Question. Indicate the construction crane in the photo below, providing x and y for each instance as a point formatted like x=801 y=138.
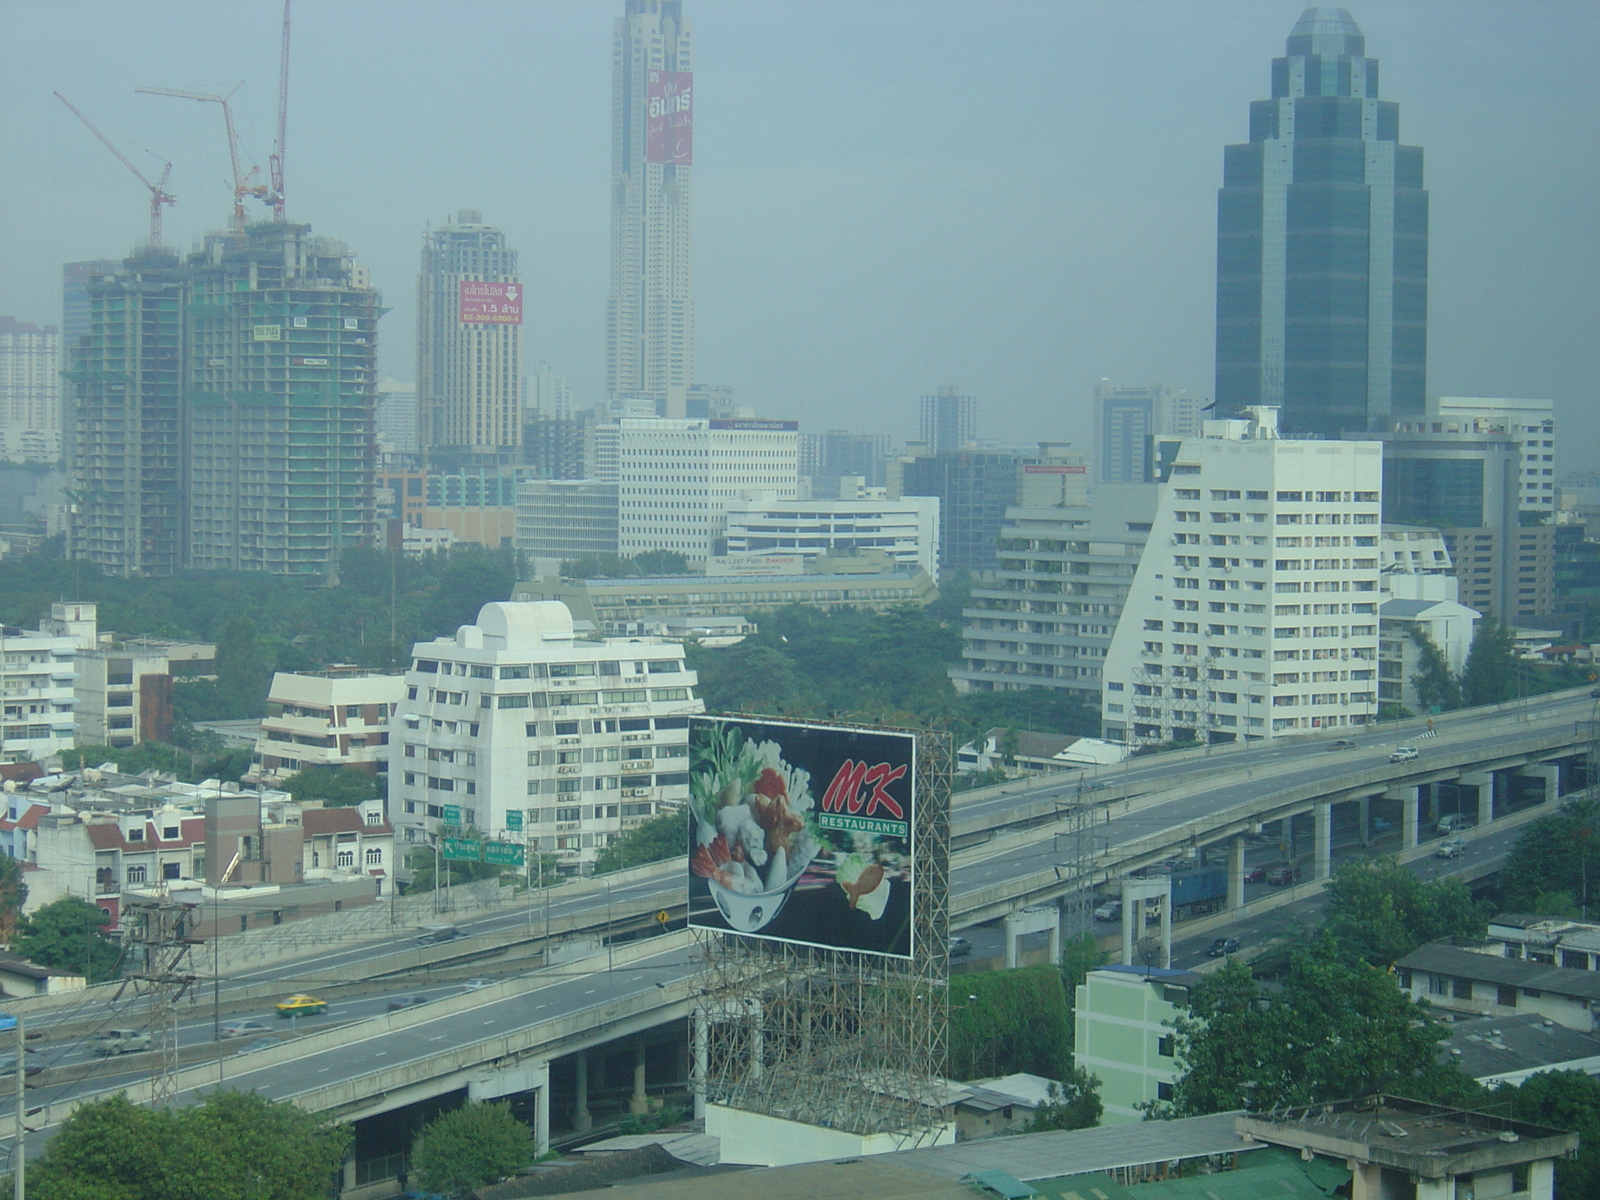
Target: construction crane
x=158 y=191
x=275 y=163
x=243 y=184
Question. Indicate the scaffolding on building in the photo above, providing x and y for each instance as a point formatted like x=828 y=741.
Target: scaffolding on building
x=846 y=1040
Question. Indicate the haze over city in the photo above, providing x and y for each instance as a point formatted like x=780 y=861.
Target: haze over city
x=1017 y=197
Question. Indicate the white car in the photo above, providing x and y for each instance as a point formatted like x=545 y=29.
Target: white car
x=1404 y=754
x=1450 y=849
x=1109 y=911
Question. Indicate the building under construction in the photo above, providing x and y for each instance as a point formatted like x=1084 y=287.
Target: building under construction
x=221 y=408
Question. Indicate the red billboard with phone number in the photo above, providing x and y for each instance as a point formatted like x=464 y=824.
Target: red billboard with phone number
x=491 y=303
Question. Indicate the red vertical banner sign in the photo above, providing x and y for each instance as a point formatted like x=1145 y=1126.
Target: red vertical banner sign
x=490 y=303
x=669 y=120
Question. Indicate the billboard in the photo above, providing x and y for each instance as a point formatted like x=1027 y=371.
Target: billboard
x=490 y=303
x=669 y=120
x=802 y=833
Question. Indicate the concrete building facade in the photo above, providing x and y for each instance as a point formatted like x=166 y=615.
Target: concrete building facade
x=1122 y=1025
x=907 y=530
x=566 y=518
x=1254 y=611
x=336 y=718
x=30 y=392
x=1128 y=417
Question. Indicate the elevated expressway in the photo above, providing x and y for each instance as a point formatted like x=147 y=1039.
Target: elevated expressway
x=1503 y=765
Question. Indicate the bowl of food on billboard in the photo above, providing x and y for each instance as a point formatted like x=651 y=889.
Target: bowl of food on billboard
x=802 y=833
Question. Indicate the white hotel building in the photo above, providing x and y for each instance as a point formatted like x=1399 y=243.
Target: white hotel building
x=583 y=739
x=1254 y=611
x=677 y=477
x=907 y=530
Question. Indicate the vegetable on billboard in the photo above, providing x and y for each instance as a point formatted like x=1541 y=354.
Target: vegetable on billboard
x=802 y=833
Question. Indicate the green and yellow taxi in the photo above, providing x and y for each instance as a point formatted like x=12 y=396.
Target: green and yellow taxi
x=300 y=1006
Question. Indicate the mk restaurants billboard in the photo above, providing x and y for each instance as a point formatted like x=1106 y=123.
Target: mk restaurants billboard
x=490 y=303
x=802 y=833
x=669 y=120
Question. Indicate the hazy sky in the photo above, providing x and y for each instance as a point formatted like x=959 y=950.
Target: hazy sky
x=1018 y=196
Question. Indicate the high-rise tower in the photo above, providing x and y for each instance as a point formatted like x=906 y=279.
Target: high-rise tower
x=1322 y=244
x=469 y=340
x=650 y=313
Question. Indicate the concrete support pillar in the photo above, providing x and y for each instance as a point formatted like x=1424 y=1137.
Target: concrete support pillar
x=581 y=1120
x=1012 y=938
x=541 y=1119
x=1542 y=1179
x=1408 y=814
x=1128 y=905
x=1166 y=931
x=1322 y=823
x=1484 y=782
x=1365 y=806
x=758 y=1039
x=639 y=1102
x=698 y=1063
x=1236 y=872
x=1551 y=774
x=347 y=1172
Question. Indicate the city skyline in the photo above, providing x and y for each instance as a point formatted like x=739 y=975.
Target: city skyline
x=937 y=234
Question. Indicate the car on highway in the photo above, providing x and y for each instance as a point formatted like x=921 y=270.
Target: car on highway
x=1381 y=825
x=1111 y=910
x=960 y=947
x=300 y=1005
x=261 y=1043
x=1404 y=754
x=8 y=1068
x=1223 y=946
x=1256 y=875
x=120 y=1041
x=235 y=1029
x=432 y=935
x=398 y=1002
x=1455 y=823
x=1342 y=744
x=473 y=985
x=1450 y=848
x=1283 y=876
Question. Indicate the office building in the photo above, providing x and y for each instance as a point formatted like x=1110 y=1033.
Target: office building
x=826 y=458
x=1254 y=610
x=556 y=447
x=1532 y=422
x=547 y=394
x=566 y=519
x=948 y=421
x=469 y=340
x=907 y=530
x=1322 y=245
x=396 y=420
x=1128 y=417
x=650 y=311
x=677 y=478
x=331 y=719
x=1045 y=616
x=282 y=331
x=517 y=723
x=30 y=393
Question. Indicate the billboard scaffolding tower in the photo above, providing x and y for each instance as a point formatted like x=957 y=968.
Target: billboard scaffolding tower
x=849 y=1040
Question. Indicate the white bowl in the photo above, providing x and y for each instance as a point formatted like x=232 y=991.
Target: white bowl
x=750 y=911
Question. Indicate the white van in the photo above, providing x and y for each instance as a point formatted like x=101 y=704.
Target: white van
x=1455 y=823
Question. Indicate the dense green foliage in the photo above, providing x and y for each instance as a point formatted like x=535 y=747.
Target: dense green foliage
x=1490 y=673
x=1438 y=690
x=188 y=764
x=1333 y=1031
x=662 y=836
x=470 y=1146
x=885 y=666
x=13 y=895
x=334 y=786
x=1074 y=1104
x=233 y=1144
x=1002 y=1022
x=620 y=566
x=1555 y=864
x=428 y=872
x=1379 y=911
x=66 y=934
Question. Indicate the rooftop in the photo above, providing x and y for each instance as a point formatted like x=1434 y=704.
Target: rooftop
x=1516 y=972
x=1493 y=1046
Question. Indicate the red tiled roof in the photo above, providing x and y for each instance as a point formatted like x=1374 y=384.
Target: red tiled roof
x=30 y=819
x=320 y=821
x=104 y=835
x=20 y=772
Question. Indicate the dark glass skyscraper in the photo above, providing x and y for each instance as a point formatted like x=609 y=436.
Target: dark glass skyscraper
x=1322 y=244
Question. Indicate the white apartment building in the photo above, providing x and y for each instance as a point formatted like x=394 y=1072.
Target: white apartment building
x=676 y=478
x=1532 y=422
x=30 y=392
x=36 y=694
x=907 y=530
x=1254 y=611
x=1046 y=615
x=336 y=718
x=1420 y=593
x=582 y=739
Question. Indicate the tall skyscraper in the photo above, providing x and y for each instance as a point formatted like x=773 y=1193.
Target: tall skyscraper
x=650 y=313
x=30 y=398
x=469 y=340
x=949 y=421
x=1322 y=245
x=1129 y=416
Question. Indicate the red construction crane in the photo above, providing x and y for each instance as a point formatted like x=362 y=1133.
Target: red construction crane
x=158 y=191
x=242 y=183
x=275 y=163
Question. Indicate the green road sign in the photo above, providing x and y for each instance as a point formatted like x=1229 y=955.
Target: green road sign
x=462 y=849
x=452 y=814
x=514 y=819
x=502 y=854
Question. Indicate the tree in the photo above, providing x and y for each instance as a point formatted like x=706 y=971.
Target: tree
x=661 y=562
x=243 y=674
x=471 y=1146
x=334 y=786
x=1072 y=1105
x=1490 y=675
x=1438 y=689
x=663 y=836
x=1002 y=1022
x=1335 y=1030
x=234 y=1144
x=132 y=760
x=1555 y=854
x=13 y=895
x=451 y=872
x=1378 y=912
x=599 y=566
x=1563 y=1100
x=65 y=934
